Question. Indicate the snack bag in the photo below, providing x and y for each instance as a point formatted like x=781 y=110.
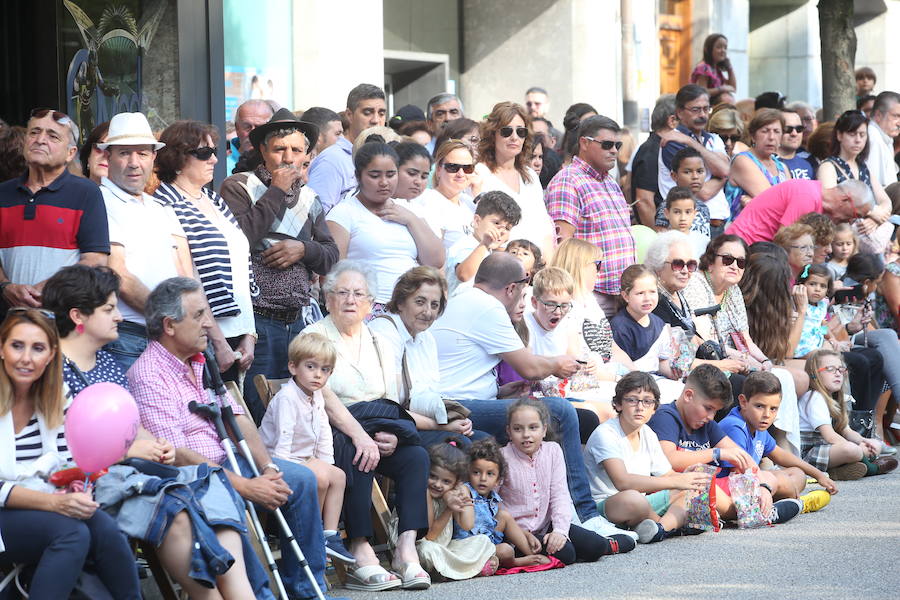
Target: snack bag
x=701 y=506
x=683 y=351
x=745 y=493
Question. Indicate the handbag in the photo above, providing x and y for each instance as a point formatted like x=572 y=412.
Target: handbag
x=862 y=422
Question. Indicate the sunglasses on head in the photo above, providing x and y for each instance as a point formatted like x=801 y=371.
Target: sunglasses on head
x=605 y=144
x=454 y=167
x=507 y=131
x=730 y=138
x=26 y=309
x=793 y=128
x=728 y=259
x=60 y=117
x=204 y=153
x=679 y=264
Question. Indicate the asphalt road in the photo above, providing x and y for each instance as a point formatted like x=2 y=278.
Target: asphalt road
x=850 y=549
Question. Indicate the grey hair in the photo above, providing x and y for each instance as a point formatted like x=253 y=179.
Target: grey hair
x=441 y=99
x=165 y=301
x=536 y=90
x=860 y=192
x=665 y=108
x=350 y=266
x=284 y=132
x=256 y=102
x=659 y=250
x=800 y=105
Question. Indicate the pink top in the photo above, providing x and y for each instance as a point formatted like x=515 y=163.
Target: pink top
x=296 y=426
x=714 y=76
x=779 y=205
x=535 y=491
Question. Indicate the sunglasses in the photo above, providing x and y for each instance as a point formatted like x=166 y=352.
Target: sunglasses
x=728 y=259
x=25 y=310
x=507 y=131
x=679 y=264
x=60 y=117
x=204 y=152
x=605 y=144
x=519 y=281
x=730 y=138
x=454 y=168
x=793 y=128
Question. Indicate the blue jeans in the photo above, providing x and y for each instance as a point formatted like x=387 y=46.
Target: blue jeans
x=301 y=511
x=490 y=416
x=885 y=341
x=59 y=545
x=131 y=344
x=270 y=357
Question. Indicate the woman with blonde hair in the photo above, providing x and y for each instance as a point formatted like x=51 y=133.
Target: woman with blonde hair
x=448 y=209
x=725 y=121
x=503 y=156
x=55 y=532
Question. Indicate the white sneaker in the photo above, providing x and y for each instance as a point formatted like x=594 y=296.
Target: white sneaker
x=601 y=526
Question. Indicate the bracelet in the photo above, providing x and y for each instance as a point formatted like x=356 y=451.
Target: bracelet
x=766 y=486
x=717 y=455
x=272 y=466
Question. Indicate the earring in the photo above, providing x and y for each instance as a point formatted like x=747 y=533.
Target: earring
x=178 y=172
x=79 y=328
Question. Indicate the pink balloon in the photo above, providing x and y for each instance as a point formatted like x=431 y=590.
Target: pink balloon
x=101 y=424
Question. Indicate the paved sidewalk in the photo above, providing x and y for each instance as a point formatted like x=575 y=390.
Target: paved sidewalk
x=850 y=549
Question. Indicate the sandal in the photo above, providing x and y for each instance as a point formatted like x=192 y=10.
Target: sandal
x=414 y=577
x=372 y=578
x=490 y=567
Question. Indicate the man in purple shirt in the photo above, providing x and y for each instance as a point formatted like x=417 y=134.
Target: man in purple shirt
x=331 y=174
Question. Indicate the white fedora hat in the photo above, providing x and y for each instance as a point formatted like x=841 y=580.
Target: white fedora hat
x=130 y=129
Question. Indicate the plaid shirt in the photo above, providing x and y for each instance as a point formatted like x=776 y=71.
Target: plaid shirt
x=594 y=205
x=162 y=388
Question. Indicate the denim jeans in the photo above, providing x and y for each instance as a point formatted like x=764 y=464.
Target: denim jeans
x=301 y=511
x=131 y=344
x=270 y=357
x=59 y=545
x=490 y=416
x=885 y=341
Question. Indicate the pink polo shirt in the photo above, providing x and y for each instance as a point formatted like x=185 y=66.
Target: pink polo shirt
x=779 y=205
x=535 y=491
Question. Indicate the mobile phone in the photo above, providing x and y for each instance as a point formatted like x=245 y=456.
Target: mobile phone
x=854 y=294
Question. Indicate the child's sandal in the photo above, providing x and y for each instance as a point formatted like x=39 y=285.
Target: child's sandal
x=490 y=567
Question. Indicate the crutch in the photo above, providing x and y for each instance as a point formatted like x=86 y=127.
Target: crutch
x=226 y=414
x=213 y=414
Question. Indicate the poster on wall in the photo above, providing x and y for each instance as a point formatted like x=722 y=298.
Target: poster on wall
x=102 y=44
x=252 y=83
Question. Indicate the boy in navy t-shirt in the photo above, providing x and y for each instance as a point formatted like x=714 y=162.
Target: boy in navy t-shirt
x=747 y=425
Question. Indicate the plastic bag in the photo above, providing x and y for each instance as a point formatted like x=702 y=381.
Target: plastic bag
x=745 y=493
x=683 y=351
x=701 y=506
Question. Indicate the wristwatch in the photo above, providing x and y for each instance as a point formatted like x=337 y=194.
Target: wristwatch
x=717 y=455
x=272 y=466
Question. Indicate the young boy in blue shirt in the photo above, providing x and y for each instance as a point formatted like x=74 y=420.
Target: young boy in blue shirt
x=747 y=425
x=689 y=435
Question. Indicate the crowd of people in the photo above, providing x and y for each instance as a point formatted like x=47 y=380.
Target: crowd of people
x=536 y=335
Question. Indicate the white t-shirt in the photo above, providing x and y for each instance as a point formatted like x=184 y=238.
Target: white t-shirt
x=457 y=253
x=448 y=220
x=535 y=225
x=146 y=230
x=545 y=342
x=660 y=350
x=813 y=411
x=389 y=248
x=239 y=251
x=609 y=441
x=718 y=204
x=470 y=335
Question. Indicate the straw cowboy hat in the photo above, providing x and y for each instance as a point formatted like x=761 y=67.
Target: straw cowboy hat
x=130 y=129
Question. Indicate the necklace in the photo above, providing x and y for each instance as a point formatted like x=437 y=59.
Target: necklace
x=186 y=194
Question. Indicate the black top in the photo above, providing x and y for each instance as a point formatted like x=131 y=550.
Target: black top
x=674 y=316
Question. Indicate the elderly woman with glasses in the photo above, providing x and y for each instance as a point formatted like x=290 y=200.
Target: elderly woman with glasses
x=448 y=208
x=219 y=249
x=756 y=170
x=671 y=258
x=799 y=243
x=503 y=156
x=373 y=433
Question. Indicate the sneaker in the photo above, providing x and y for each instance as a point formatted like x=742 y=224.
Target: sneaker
x=650 y=532
x=815 y=500
x=849 y=472
x=334 y=547
x=885 y=464
x=620 y=544
x=785 y=510
x=683 y=531
x=888 y=450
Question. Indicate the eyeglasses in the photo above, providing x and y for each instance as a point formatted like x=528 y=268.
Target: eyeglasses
x=356 y=296
x=793 y=128
x=204 y=152
x=563 y=307
x=805 y=249
x=60 y=117
x=728 y=259
x=454 y=168
x=26 y=309
x=696 y=110
x=519 y=281
x=645 y=402
x=605 y=144
x=679 y=265
x=507 y=131
x=598 y=264
x=833 y=370
x=730 y=138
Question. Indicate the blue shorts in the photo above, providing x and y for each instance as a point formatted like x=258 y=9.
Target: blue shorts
x=659 y=502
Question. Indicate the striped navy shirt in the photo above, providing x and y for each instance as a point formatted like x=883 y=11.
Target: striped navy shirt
x=30 y=447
